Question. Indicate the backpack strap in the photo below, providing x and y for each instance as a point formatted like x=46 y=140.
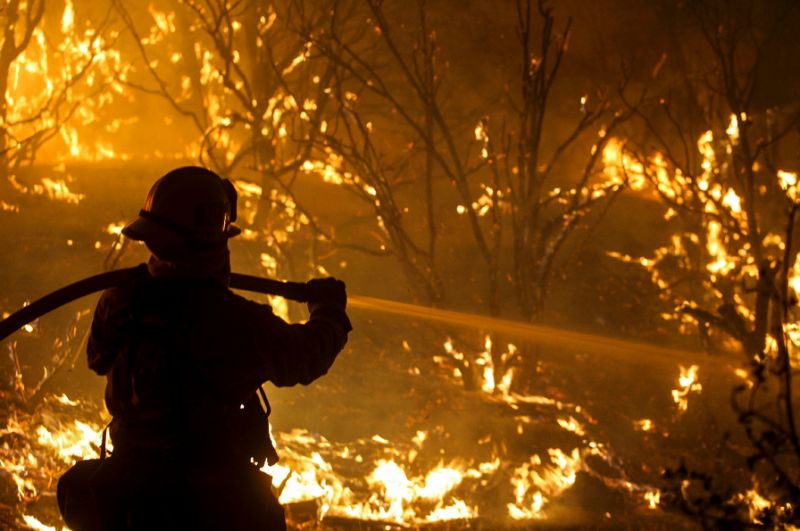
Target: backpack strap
x=270 y=455
x=103 y=451
x=263 y=396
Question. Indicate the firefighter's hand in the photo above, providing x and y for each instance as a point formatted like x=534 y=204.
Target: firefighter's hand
x=326 y=292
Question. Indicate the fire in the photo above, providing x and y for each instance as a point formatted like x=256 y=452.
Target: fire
x=570 y=424
x=653 y=498
x=45 y=444
x=115 y=229
x=788 y=183
x=72 y=441
x=733 y=128
x=34 y=523
x=756 y=504
x=395 y=494
x=688 y=383
x=399 y=492
x=56 y=189
x=536 y=483
x=620 y=167
x=493 y=380
x=722 y=263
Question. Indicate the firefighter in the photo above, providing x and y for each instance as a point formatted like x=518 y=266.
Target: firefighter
x=184 y=359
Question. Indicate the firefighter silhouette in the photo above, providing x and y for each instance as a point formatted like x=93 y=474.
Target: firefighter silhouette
x=184 y=359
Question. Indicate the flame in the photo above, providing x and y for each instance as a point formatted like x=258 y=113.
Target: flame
x=732 y=201
x=570 y=424
x=493 y=380
x=756 y=503
x=788 y=183
x=722 y=264
x=687 y=383
x=536 y=484
x=298 y=60
x=620 y=167
x=733 y=128
x=397 y=489
x=73 y=440
x=47 y=444
x=394 y=495
x=68 y=18
x=482 y=136
x=55 y=72
x=653 y=498
x=705 y=145
x=56 y=189
x=115 y=229
x=34 y=523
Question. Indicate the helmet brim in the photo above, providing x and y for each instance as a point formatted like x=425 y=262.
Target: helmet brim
x=143 y=229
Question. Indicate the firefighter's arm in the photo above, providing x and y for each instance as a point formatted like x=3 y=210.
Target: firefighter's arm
x=306 y=351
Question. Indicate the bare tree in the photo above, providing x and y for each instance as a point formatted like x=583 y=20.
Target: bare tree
x=711 y=156
x=505 y=181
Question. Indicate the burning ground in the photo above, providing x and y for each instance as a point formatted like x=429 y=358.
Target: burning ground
x=406 y=447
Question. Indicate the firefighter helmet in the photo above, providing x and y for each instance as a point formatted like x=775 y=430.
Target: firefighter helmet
x=191 y=203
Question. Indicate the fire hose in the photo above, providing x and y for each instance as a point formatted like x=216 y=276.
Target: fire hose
x=295 y=291
x=298 y=291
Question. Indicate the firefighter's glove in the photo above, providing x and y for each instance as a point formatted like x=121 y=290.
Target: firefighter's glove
x=326 y=292
x=327 y=300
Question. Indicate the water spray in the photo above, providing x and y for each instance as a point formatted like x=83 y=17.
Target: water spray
x=298 y=291
x=544 y=335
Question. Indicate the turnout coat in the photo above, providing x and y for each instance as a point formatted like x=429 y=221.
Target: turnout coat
x=184 y=358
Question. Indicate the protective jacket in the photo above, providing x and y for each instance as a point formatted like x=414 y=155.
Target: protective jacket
x=184 y=357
